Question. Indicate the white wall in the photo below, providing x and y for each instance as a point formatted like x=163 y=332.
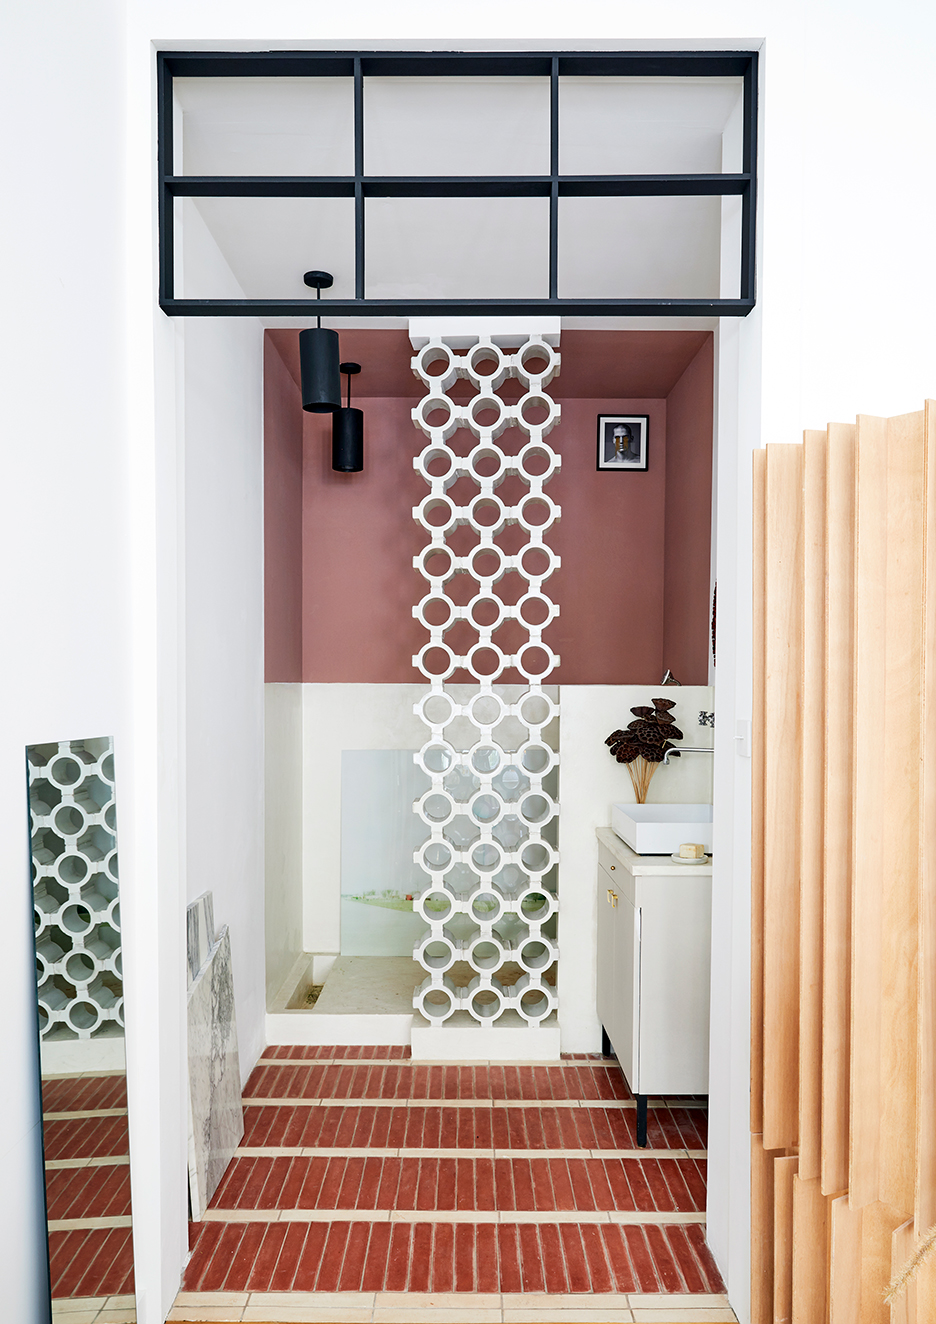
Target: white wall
x=844 y=323
x=283 y=845
x=222 y=504
x=63 y=529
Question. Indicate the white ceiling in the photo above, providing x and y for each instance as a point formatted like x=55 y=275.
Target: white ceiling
x=449 y=247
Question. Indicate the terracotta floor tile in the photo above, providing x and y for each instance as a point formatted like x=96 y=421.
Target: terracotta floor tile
x=333 y=1255
x=106 y=1265
x=465 y=1184
x=500 y=1127
x=355 y=1257
x=641 y=1259
x=261 y=1273
x=581 y=1186
x=680 y=1194
x=573 y=1253
x=421 y=1257
x=373 y=1128
x=653 y=1173
x=620 y=1253
x=272 y=1194
x=531 y=1260
x=208 y=1236
x=351 y=1182
x=543 y=1194
x=310 y=1256
x=695 y=1234
x=316 y=1169
x=406 y=1184
x=504 y=1195
x=682 y=1253
x=347 y=1125
x=464 y=1258
x=553 y=1258
x=284 y=1273
x=484 y=1184
x=508 y=1256
x=388 y=1196
x=446 y=1192
x=487 y=1261
x=431 y=1128
x=216 y=1271
x=448 y=1130
x=442 y=1278
x=331 y=1185
x=637 y=1180
x=663 y=1259
x=563 y=1193
x=548 y=1121
x=523 y=1184
x=375 y=1264
x=601 y=1189
x=397 y=1124
x=398 y=1259
x=370 y=1183
x=427 y=1183
x=516 y=1127
x=243 y=1259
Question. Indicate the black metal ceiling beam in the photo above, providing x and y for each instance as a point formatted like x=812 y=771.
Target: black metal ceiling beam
x=454 y=186
x=440 y=64
x=332 y=308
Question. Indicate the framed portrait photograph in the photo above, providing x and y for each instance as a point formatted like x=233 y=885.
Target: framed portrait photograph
x=622 y=441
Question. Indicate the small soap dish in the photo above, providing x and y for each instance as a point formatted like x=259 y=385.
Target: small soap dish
x=705 y=859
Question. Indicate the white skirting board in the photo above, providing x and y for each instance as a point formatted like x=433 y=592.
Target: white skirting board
x=322 y=1029
x=471 y=1042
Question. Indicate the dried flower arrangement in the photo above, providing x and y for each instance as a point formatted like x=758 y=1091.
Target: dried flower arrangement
x=642 y=745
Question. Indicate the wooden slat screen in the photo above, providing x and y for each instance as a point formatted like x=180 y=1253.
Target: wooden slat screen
x=843 y=1034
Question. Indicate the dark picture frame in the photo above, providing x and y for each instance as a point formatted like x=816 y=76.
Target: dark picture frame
x=623 y=442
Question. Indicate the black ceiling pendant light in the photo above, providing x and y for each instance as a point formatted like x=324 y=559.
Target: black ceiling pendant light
x=348 y=431
x=318 y=357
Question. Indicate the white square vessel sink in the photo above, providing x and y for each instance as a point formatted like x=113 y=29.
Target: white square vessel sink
x=662 y=829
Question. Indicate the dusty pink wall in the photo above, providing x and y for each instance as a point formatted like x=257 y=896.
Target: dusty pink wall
x=359 y=540
x=686 y=603
x=282 y=519
x=611 y=537
x=620 y=537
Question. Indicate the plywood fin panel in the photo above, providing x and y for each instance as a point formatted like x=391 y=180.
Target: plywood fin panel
x=784 y=1175
x=810 y=1251
x=783 y=643
x=900 y=792
x=845 y=1262
x=837 y=825
x=903 y=1308
x=757 y=805
x=925 y=1186
x=812 y=801
x=868 y=810
x=762 y=1230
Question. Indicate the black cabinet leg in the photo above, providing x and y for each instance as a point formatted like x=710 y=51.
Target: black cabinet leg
x=606 y=1049
x=641 y=1121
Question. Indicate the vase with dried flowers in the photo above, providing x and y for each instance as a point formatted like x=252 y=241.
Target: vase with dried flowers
x=644 y=742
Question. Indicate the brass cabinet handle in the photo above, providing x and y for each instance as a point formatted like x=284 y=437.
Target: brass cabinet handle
x=612 y=898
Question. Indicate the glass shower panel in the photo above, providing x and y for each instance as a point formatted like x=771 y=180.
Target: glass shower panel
x=379 y=834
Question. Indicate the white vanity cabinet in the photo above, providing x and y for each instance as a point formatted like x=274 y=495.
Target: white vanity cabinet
x=654 y=939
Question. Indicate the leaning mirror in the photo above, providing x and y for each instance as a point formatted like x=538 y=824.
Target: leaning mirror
x=79 y=973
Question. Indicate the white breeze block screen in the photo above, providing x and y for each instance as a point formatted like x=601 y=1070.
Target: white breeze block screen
x=75 y=894
x=490 y=853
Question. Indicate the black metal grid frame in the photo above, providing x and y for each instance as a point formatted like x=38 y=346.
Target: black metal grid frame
x=359 y=65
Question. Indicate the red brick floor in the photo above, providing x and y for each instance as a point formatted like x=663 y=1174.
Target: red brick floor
x=398 y=1137
x=97 y=1261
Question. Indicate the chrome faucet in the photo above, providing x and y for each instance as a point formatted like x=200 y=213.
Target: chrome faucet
x=688 y=749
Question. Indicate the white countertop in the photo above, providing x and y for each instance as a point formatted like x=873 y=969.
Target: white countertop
x=645 y=864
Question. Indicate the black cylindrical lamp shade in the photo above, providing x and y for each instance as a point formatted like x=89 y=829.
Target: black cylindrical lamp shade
x=348 y=440
x=318 y=370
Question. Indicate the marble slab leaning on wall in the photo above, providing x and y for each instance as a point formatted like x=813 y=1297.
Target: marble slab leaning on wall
x=216 y=1115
